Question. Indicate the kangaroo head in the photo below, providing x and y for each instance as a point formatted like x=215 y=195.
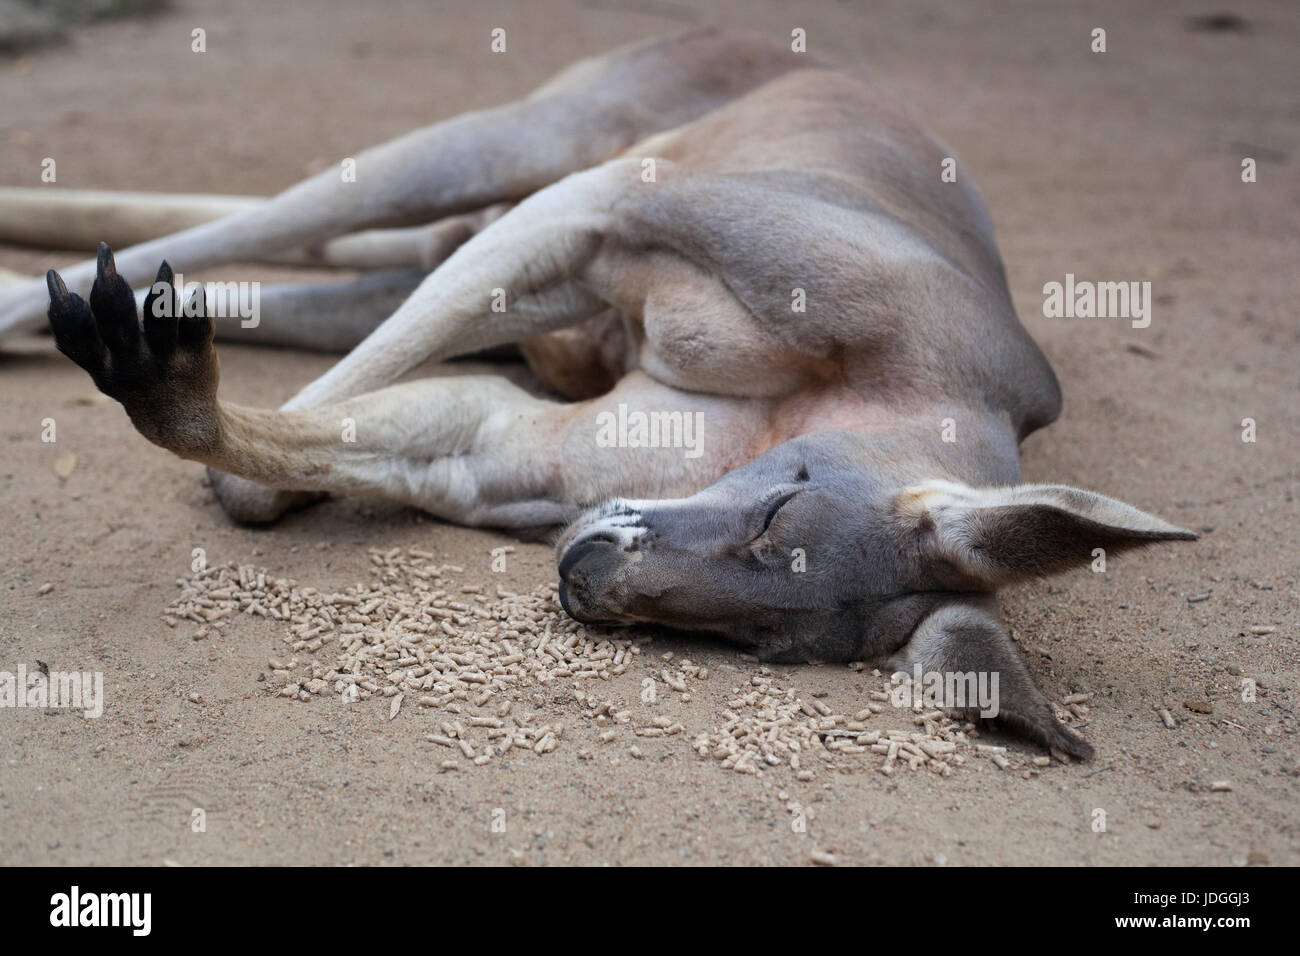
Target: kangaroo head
x=806 y=541
x=805 y=553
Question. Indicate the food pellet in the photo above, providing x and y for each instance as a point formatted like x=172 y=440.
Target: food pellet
x=468 y=653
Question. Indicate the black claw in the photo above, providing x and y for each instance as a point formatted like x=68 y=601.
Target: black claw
x=113 y=303
x=160 y=313
x=105 y=267
x=195 y=328
x=73 y=326
x=54 y=282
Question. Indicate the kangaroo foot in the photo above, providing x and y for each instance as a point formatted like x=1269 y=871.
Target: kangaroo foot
x=164 y=372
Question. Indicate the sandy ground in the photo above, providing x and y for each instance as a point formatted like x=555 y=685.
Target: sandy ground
x=1112 y=167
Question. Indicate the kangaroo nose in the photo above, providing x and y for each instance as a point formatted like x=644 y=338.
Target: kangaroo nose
x=583 y=548
x=581 y=561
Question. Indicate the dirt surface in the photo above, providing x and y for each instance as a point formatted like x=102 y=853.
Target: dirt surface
x=1116 y=166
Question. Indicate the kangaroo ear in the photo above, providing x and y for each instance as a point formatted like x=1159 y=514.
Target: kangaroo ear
x=999 y=535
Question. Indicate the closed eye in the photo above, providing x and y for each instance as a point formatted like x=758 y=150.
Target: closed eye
x=773 y=508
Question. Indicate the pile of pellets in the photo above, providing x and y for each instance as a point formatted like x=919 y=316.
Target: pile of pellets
x=410 y=635
x=767 y=725
x=469 y=659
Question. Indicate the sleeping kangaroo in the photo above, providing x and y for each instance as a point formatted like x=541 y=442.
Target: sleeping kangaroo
x=710 y=229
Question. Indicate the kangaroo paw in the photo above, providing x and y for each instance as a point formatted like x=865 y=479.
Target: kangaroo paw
x=164 y=373
x=967 y=644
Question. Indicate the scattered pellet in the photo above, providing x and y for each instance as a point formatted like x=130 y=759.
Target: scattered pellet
x=404 y=633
